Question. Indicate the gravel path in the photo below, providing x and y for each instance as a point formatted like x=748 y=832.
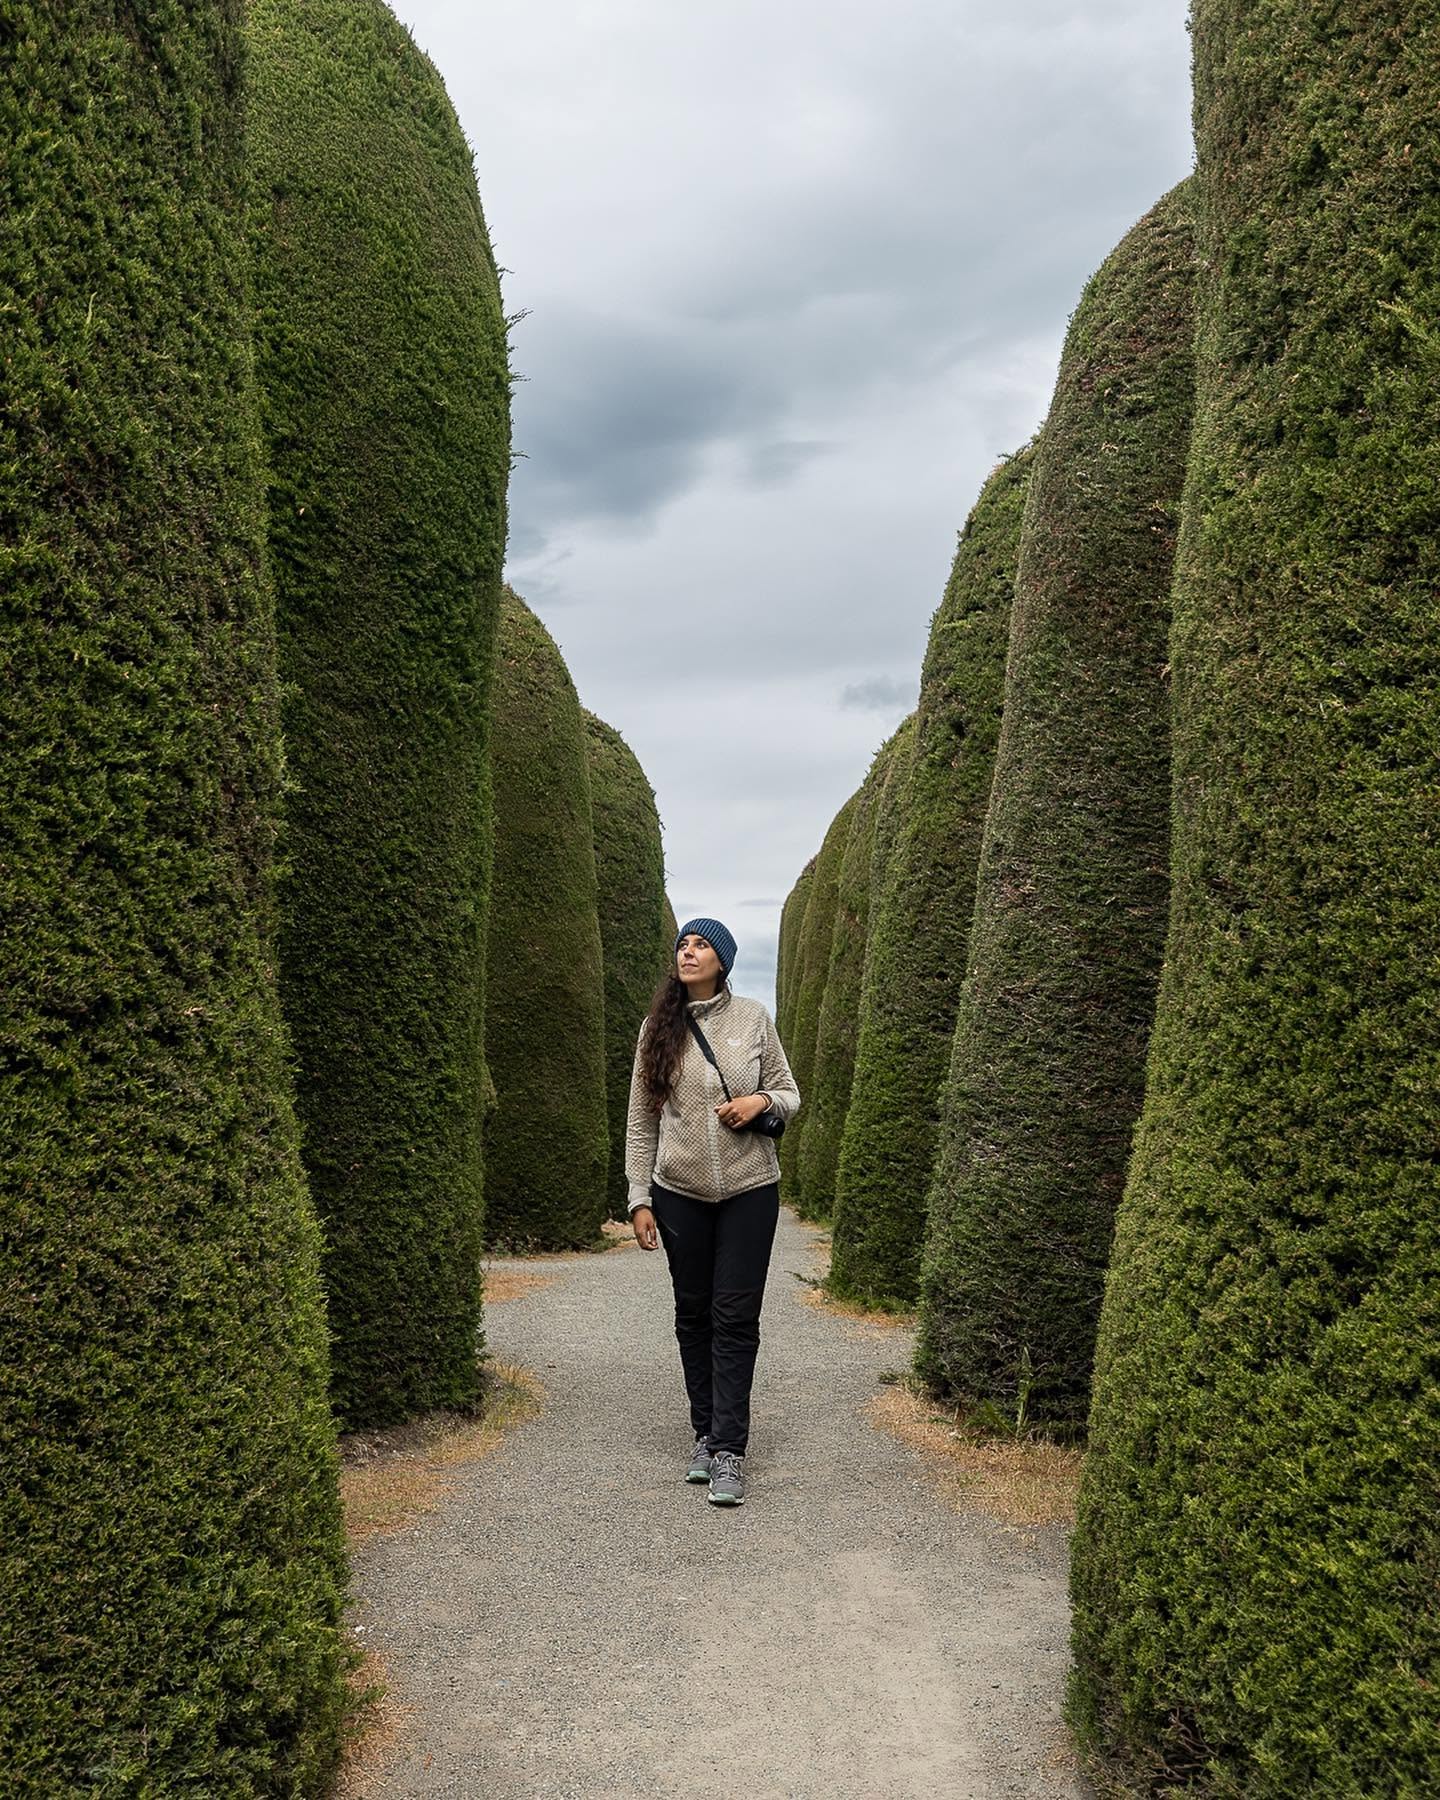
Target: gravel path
x=575 y=1621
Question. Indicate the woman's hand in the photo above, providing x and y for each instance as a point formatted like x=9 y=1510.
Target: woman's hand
x=738 y=1113
x=646 y=1236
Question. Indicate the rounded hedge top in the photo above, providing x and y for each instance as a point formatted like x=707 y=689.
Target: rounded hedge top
x=546 y=1142
x=920 y=918
x=840 y=995
x=635 y=933
x=386 y=398
x=1256 y=1559
x=171 y=1568
x=1048 y=1063
x=792 y=922
x=812 y=961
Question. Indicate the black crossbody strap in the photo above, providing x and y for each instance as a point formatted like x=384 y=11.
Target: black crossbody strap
x=705 y=1050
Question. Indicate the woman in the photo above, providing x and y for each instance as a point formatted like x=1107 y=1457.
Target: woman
x=706 y=1184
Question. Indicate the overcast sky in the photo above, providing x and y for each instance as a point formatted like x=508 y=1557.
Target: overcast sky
x=796 y=276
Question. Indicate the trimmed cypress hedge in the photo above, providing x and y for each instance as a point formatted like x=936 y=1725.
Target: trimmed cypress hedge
x=1257 y=1561
x=840 y=998
x=171 y=1565
x=792 y=921
x=630 y=879
x=670 y=930
x=920 y=919
x=812 y=962
x=1048 y=1065
x=546 y=1143
x=385 y=386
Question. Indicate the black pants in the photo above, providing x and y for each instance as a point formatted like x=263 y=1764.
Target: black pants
x=718 y=1254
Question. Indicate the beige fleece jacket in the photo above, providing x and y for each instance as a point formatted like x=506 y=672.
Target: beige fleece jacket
x=685 y=1148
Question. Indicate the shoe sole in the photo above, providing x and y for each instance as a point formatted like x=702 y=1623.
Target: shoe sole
x=695 y=1478
x=726 y=1499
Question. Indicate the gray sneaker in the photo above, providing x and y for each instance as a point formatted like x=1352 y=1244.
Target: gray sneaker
x=699 y=1469
x=727 y=1479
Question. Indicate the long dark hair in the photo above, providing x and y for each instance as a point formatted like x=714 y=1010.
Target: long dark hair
x=665 y=1034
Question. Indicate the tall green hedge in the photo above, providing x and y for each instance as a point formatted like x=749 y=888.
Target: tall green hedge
x=812 y=962
x=385 y=387
x=1048 y=1064
x=171 y=1568
x=840 y=996
x=920 y=918
x=1257 y=1563
x=792 y=921
x=546 y=1144
x=630 y=878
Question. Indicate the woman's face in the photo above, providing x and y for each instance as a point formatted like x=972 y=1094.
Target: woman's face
x=697 y=964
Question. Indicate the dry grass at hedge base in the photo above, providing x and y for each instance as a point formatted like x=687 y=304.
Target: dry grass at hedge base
x=390 y=1478
x=614 y=1234
x=374 y=1730
x=871 y=1322
x=1018 y=1481
x=817 y=1292
x=512 y=1284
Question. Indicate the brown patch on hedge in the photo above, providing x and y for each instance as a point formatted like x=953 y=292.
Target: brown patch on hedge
x=1019 y=1481
x=390 y=1478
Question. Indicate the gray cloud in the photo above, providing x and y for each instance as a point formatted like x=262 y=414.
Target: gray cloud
x=618 y=422
x=881 y=693
x=796 y=277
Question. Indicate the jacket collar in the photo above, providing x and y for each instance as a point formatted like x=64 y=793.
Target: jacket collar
x=700 y=1008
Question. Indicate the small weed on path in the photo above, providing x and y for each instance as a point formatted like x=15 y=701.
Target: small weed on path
x=388 y=1478
x=1018 y=1481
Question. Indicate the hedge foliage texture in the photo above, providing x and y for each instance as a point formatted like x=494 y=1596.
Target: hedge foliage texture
x=546 y=1141
x=834 y=1062
x=630 y=882
x=386 y=393
x=812 y=964
x=920 y=916
x=1048 y=1063
x=170 y=1558
x=1256 y=1566
x=792 y=920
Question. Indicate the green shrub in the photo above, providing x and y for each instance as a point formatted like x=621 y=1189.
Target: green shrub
x=840 y=997
x=630 y=879
x=792 y=921
x=386 y=400
x=1256 y=1563
x=1048 y=1064
x=171 y=1567
x=812 y=960
x=546 y=1143
x=920 y=916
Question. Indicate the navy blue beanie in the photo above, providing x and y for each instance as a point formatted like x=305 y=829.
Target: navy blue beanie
x=715 y=935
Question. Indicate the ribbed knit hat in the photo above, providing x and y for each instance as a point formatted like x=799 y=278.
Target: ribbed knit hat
x=715 y=935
